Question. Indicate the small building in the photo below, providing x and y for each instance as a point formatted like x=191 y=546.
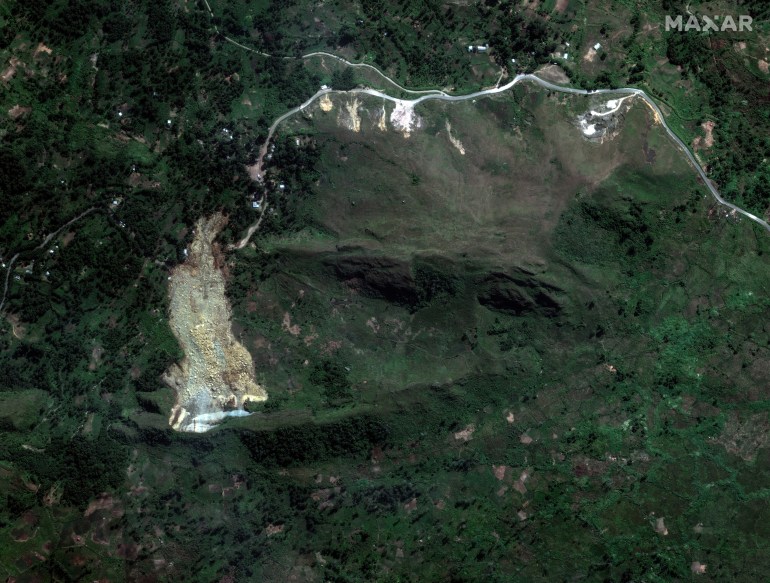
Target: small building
x=255 y=204
x=482 y=48
x=597 y=46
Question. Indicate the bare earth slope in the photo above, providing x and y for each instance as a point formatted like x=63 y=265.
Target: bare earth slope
x=217 y=375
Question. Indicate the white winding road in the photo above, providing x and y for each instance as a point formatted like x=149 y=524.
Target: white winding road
x=435 y=94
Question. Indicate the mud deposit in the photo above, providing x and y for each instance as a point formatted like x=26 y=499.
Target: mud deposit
x=216 y=377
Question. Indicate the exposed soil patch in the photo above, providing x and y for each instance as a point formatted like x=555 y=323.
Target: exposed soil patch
x=590 y=55
x=349 y=116
x=18 y=111
x=253 y=172
x=17 y=328
x=455 y=142
x=553 y=73
x=518 y=485
x=96 y=357
x=705 y=142
x=763 y=65
x=287 y=326
x=104 y=502
x=10 y=71
x=326 y=103
x=465 y=434
x=382 y=124
x=42 y=49
x=67 y=238
x=404 y=119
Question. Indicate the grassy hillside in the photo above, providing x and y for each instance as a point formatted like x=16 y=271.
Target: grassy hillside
x=494 y=350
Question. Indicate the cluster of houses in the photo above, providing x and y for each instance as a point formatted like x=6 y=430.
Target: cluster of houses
x=565 y=55
x=485 y=48
x=256 y=201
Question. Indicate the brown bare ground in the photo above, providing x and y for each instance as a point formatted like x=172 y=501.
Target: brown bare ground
x=287 y=326
x=465 y=434
x=272 y=529
x=590 y=55
x=18 y=111
x=104 y=502
x=660 y=526
x=217 y=372
x=763 y=65
x=561 y=5
x=553 y=73
x=13 y=65
x=96 y=357
x=698 y=568
x=17 y=328
x=67 y=238
x=42 y=49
